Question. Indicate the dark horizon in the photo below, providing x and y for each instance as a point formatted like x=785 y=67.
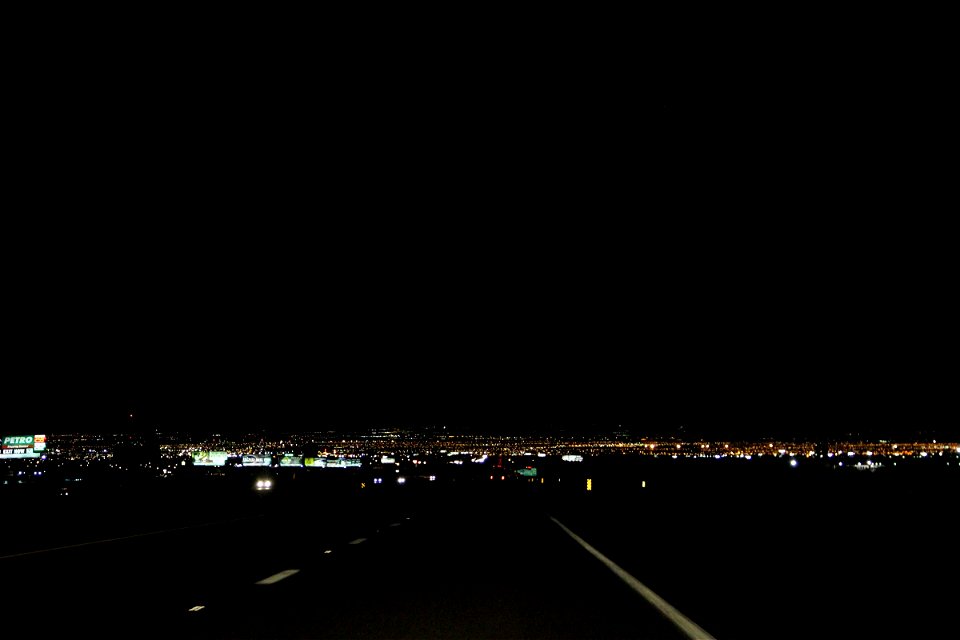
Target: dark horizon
x=201 y=421
x=271 y=374
x=215 y=372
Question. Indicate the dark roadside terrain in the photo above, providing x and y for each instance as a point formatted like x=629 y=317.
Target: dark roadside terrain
x=745 y=550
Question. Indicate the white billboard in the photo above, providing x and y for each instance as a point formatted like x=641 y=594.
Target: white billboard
x=250 y=460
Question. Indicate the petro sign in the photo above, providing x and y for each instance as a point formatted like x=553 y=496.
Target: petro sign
x=23 y=446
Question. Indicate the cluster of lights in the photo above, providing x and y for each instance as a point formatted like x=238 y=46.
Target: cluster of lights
x=397 y=445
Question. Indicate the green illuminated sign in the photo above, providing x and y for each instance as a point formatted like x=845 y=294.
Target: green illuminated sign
x=210 y=458
x=22 y=446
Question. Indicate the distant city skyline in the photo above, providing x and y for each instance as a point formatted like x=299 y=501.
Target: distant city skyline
x=674 y=407
x=691 y=430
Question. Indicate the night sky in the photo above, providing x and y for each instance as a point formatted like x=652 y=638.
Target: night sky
x=480 y=343
x=742 y=246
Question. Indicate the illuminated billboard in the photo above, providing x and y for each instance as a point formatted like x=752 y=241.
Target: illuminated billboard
x=210 y=458
x=332 y=463
x=22 y=447
x=291 y=461
x=343 y=463
x=250 y=460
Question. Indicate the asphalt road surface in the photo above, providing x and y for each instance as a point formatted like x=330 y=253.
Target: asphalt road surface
x=745 y=551
x=489 y=565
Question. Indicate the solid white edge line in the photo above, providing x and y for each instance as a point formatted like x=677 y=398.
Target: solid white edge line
x=685 y=624
x=136 y=535
x=357 y=541
x=277 y=577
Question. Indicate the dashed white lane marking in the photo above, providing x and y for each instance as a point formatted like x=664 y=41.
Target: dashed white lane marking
x=395 y=524
x=197 y=608
x=685 y=624
x=358 y=541
x=329 y=551
x=277 y=577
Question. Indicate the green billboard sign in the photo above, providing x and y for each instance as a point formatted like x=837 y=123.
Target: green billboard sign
x=210 y=458
x=22 y=446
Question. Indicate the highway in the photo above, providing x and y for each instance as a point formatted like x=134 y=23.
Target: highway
x=491 y=564
x=740 y=550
